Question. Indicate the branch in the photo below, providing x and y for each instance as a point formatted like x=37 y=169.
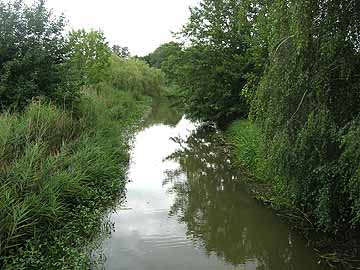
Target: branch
x=282 y=42
x=299 y=106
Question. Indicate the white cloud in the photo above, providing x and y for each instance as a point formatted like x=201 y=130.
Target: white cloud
x=142 y=25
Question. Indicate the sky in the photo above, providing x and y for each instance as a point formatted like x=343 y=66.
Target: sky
x=141 y=25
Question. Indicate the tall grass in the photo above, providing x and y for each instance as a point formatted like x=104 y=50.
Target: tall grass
x=248 y=147
x=251 y=155
x=59 y=172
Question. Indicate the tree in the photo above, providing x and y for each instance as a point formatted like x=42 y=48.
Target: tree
x=33 y=56
x=162 y=54
x=122 y=52
x=218 y=62
x=90 y=55
x=308 y=107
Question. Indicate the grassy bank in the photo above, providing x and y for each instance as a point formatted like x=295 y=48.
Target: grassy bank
x=67 y=111
x=60 y=172
x=251 y=153
x=62 y=169
x=68 y=106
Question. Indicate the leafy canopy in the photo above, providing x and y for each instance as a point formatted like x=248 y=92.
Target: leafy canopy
x=214 y=66
x=90 y=55
x=33 y=55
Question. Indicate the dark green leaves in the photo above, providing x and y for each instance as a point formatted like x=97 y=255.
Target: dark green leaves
x=33 y=53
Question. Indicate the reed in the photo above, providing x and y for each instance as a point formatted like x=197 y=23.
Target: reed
x=60 y=171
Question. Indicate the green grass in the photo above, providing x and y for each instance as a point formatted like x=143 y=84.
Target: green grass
x=250 y=154
x=248 y=147
x=60 y=172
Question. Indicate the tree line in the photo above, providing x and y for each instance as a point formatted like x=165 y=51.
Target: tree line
x=68 y=104
x=292 y=69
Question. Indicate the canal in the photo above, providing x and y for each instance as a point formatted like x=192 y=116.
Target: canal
x=188 y=209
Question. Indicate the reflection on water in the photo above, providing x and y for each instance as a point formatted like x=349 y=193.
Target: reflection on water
x=163 y=114
x=221 y=217
x=186 y=209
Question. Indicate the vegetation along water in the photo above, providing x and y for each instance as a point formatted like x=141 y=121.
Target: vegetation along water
x=241 y=140
x=188 y=208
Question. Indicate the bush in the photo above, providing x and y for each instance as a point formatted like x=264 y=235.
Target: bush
x=136 y=77
x=307 y=105
x=33 y=56
x=350 y=165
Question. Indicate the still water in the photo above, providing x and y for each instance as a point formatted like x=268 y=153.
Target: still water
x=187 y=208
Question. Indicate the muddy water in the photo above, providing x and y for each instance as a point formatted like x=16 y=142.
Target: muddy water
x=187 y=209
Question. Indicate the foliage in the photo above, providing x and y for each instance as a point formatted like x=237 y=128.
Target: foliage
x=168 y=58
x=248 y=147
x=62 y=168
x=59 y=174
x=296 y=64
x=33 y=56
x=90 y=55
x=350 y=158
x=122 y=52
x=215 y=69
x=162 y=54
x=135 y=76
x=307 y=103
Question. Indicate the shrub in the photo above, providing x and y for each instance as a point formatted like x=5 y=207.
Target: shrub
x=33 y=56
x=307 y=105
x=136 y=77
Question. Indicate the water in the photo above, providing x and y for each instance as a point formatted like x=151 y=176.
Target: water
x=187 y=209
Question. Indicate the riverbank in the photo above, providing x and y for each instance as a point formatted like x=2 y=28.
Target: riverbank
x=249 y=153
x=61 y=171
x=187 y=208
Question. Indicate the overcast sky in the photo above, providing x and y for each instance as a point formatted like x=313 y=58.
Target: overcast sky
x=142 y=25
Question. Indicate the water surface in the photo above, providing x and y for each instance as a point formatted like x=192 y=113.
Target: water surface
x=187 y=209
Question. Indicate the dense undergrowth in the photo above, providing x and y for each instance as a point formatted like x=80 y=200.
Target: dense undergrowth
x=60 y=171
x=290 y=71
x=251 y=154
x=68 y=107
